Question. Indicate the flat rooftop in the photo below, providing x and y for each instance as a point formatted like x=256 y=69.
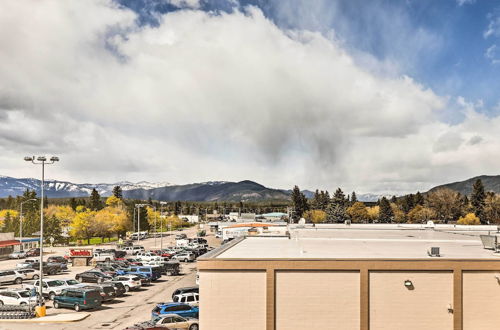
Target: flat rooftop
x=366 y=242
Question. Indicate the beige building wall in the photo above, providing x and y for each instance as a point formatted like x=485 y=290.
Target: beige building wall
x=231 y=300
x=481 y=300
x=317 y=300
x=395 y=307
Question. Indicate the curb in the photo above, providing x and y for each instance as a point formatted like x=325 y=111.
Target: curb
x=49 y=319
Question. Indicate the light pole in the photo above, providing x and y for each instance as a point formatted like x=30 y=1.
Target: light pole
x=41 y=160
x=161 y=223
x=21 y=221
x=139 y=220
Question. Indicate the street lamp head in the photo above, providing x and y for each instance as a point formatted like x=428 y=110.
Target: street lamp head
x=41 y=158
x=28 y=158
x=54 y=159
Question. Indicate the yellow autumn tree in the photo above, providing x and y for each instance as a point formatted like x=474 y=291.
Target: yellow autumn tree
x=420 y=214
x=357 y=212
x=469 y=219
x=64 y=213
x=82 y=224
x=372 y=212
x=315 y=216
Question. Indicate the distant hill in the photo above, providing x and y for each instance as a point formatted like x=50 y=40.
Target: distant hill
x=490 y=182
x=205 y=191
x=211 y=191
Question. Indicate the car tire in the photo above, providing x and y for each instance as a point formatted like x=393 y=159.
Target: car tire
x=36 y=277
x=76 y=308
x=56 y=305
x=23 y=304
x=52 y=295
x=18 y=280
x=127 y=288
x=185 y=260
x=79 y=279
x=1 y=303
x=194 y=327
x=107 y=260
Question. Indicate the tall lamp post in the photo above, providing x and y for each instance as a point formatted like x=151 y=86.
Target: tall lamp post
x=41 y=160
x=21 y=221
x=139 y=220
x=161 y=223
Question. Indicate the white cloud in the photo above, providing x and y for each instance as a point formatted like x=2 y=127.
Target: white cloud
x=465 y=2
x=194 y=4
x=493 y=29
x=206 y=96
x=492 y=54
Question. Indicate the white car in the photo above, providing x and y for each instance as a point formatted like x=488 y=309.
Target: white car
x=185 y=256
x=26 y=263
x=17 y=297
x=11 y=276
x=50 y=287
x=148 y=256
x=133 y=249
x=70 y=282
x=31 y=274
x=101 y=256
x=191 y=298
x=17 y=255
x=130 y=282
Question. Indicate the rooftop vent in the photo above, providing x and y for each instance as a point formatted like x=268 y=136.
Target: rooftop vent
x=434 y=252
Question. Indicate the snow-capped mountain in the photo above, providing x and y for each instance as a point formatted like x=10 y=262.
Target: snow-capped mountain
x=53 y=188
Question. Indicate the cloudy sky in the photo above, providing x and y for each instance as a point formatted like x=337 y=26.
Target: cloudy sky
x=373 y=96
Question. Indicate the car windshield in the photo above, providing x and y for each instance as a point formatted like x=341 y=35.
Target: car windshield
x=72 y=282
x=55 y=283
x=24 y=294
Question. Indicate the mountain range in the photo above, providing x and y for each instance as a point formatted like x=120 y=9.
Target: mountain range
x=490 y=182
x=205 y=191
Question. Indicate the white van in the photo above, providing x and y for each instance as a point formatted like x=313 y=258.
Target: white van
x=133 y=250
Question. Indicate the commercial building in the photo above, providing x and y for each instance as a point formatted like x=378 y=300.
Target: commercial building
x=376 y=277
x=7 y=244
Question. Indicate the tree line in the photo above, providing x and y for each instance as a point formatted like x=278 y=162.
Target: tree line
x=442 y=205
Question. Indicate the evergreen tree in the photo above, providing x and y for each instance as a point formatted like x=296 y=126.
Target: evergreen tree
x=299 y=202
x=95 y=202
x=53 y=228
x=337 y=210
x=177 y=208
x=394 y=199
x=73 y=203
x=407 y=203
x=354 y=198
x=385 y=211
x=477 y=200
x=418 y=199
x=316 y=201
x=117 y=192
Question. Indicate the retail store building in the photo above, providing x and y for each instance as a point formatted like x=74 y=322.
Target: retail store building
x=377 y=277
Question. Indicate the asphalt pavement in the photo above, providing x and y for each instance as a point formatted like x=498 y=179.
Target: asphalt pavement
x=124 y=311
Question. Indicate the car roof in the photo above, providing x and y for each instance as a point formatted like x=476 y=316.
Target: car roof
x=169 y=304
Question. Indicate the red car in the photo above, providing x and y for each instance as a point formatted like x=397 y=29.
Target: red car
x=161 y=253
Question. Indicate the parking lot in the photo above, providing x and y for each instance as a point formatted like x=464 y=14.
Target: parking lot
x=124 y=311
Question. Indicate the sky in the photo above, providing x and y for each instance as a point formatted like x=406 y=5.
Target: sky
x=372 y=96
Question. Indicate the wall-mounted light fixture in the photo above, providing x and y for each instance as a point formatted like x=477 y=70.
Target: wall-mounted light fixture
x=409 y=285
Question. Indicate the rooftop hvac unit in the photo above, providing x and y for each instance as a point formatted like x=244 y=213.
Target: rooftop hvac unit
x=434 y=252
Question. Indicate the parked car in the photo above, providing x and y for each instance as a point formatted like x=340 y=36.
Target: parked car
x=190 y=298
x=133 y=249
x=50 y=287
x=130 y=282
x=57 y=259
x=106 y=290
x=148 y=256
x=17 y=297
x=31 y=274
x=72 y=282
x=103 y=256
x=152 y=272
x=177 y=322
x=175 y=308
x=187 y=289
x=119 y=288
x=34 y=252
x=48 y=268
x=79 y=298
x=17 y=255
x=172 y=268
x=145 y=280
x=92 y=277
x=11 y=276
x=185 y=256
x=147 y=326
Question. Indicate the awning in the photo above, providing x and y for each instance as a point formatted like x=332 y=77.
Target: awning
x=9 y=243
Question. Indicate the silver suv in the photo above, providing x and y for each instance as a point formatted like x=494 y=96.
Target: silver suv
x=11 y=276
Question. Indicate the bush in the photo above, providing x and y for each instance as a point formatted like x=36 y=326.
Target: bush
x=469 y=219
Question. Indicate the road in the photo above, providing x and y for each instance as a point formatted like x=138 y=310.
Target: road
x=124 y=311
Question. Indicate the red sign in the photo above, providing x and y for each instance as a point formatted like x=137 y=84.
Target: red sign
x=80 y=253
